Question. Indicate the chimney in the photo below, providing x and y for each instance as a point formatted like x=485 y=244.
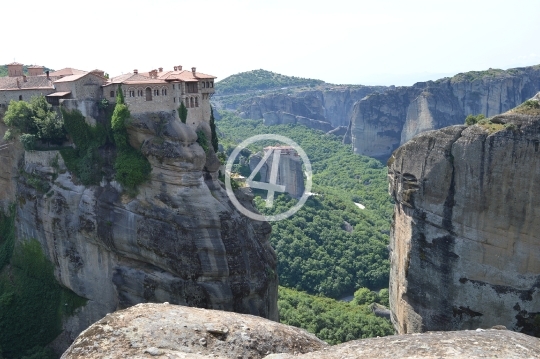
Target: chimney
x=176 y=68
x=179 y=67
x=193 y=70
x=135 y=71
x=47 y=73
x=161 y=69
x=24 y=78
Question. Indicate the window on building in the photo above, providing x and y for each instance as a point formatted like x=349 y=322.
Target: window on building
x=203 y=85
x=211 y=84
x=192 y=87
x=196 y=102
x=174 y=99
x=164 y=92
x=191 y=102
x=207 y=84
x=148 y=94
x=20 y=97
x=173 y=86
x=112 y=93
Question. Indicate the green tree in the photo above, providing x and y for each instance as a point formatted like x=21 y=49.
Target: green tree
x=215 y=143
x=364 y=296
x=49 y=125
x=131 y=167
x=384 y=297
x=182 y=112
x=19 y=115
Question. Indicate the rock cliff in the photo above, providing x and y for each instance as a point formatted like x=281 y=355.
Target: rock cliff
x=332 y=105
x=381 y=122
x=465 y=239
x=179 y=240
x=169 y=331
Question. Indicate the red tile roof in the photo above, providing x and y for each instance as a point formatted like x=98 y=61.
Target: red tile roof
x=14 y=63
x=68 y=71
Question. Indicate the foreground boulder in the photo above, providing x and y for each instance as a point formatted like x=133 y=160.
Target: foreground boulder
x=170 y=331
x=465 y=241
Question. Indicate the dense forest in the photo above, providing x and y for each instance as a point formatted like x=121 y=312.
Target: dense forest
x=260 y=80
x=331 y=320
x=331 y=246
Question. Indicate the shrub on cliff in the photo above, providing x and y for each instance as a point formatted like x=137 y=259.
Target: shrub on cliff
x=472 y=120
x=131 y=167
x=182 y=112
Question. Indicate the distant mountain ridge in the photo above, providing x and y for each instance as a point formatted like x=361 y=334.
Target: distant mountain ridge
x=260 y=80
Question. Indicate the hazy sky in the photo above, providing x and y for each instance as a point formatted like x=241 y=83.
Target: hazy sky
x=360 y=42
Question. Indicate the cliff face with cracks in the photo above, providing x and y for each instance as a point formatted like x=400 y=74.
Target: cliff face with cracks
x=381 y=122
x=332 y=106
x=465 y=239
x=180 y=240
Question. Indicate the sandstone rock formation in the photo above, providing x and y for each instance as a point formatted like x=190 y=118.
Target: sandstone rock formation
x=434 y=345
x=332 y=105
x=289 y=171
x=180 y=240
x=170 y=331
x=465 y=240
x=381 y=122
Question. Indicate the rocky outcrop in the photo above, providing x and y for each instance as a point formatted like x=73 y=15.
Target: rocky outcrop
x=465 y=239
x=381 y=122
x=434 y=345
x=171 y=331
x=289 y=170
x=179 y=240
x=332 y=105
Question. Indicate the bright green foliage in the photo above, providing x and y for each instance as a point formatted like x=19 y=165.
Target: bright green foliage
x=8 y=136
x=202 y=140
x=182 y=112
x=131 y=167
x=330 y=320
x=529 y=107
x=19 y=116
x=36 y=118
x=215 y=143
x=472 y=120
x=384 y=298
x=316 y=254
x=32 y=303
x=364 y=296
x=49 y=125
x=260 y=80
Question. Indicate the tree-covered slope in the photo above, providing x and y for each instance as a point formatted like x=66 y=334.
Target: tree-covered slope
x=330 y=320
x=331 y=246
x=260 y=80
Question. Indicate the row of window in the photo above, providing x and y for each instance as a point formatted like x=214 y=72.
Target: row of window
x=207 y=84
x=189 y=101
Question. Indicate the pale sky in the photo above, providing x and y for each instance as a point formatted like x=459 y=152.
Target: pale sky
x=355 y=42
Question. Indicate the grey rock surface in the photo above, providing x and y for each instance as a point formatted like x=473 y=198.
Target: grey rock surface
x=434 y=345
x=381 y=122
x=179 y=240
x=332 y=105
x=171 y=331
x=465 y=240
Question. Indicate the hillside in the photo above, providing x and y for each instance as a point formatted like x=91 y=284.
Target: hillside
x=4 y=70
x=260 y=80
x=331 y=246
